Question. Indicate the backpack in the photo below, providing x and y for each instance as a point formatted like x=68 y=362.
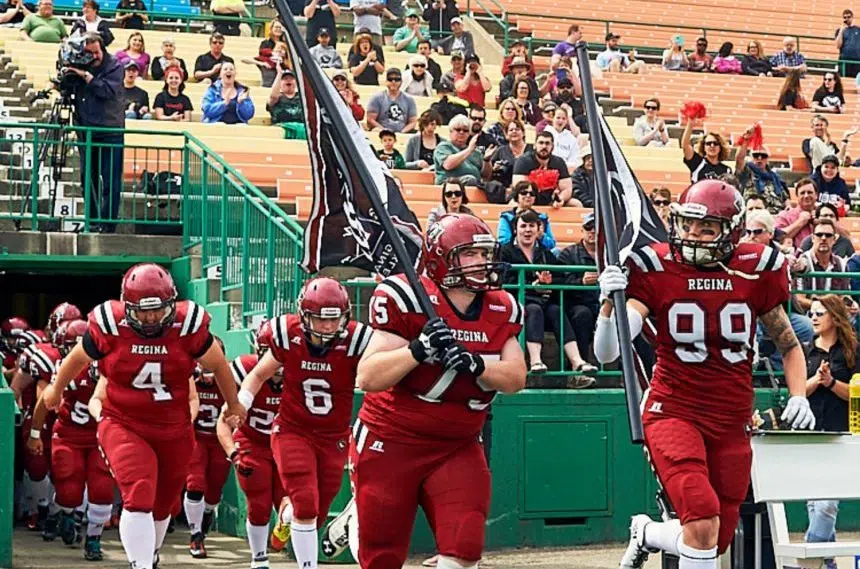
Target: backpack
x=164 y=192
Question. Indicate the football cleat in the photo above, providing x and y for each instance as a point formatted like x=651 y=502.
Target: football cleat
x=261 y=562
x=68 y=530
x=197 y=548
x=49 y=533
x=280 y=536
x=636 y=553
x=335 y=537
x=93 y=548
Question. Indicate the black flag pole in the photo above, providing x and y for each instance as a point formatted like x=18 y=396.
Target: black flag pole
x=607 y=222
x=318 y=79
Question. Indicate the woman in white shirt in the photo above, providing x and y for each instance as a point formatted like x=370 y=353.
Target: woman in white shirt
x=650 y=129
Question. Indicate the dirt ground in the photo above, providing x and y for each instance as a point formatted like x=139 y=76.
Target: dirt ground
x=30 y=552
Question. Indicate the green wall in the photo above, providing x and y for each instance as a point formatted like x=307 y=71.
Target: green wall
x=7 y=467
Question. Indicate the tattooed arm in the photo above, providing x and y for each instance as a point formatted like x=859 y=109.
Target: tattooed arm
x=778 y=327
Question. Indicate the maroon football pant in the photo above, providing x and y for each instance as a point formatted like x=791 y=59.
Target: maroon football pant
x=75 y=465
x=262 y=487
x=149 y=464
x=310 y=471
x=208 y=470
x=705 y=474
x=449 y=480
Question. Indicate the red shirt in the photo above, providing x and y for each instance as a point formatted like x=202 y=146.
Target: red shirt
x=474 y=93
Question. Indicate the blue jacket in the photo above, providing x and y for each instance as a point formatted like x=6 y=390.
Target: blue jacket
x=214 y=105
x=101 y=102
x=853 y=266
x=506 y=228
x=836 y=186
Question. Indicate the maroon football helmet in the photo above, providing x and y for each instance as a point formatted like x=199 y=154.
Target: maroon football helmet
x=11 y=333
x=147 y=288
x=712 y=200
x=62 y=313
x=68 y=334
x=264 y=339
x=453 y=234
x=326 y=299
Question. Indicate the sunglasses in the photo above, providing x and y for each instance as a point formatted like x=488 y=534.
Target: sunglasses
x=817 y=313
x=759 y=155
x=824 y=235
x=755 y=232
x=459 y=130
x=421 y=65
x=650 y=108
x=661 y=202
x=712 y=143
x=393 y=79
x=478 y=119
x=456 y=194
x=527 y=193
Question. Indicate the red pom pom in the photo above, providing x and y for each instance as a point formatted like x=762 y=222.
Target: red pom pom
x=754 y=140
x=694 y=110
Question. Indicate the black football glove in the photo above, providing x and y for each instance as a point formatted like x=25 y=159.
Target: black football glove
x=435 y=337
x=458 y=358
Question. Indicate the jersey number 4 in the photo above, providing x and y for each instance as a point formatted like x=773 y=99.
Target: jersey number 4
x=149 y=377
x=688 y=324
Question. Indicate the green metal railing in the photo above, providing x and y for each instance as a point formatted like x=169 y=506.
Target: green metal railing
x=502 y=20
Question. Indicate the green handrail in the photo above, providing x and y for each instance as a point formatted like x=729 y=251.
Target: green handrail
x=502 y=22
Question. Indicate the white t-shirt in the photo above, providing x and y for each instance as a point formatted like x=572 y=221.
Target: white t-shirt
x=369 y=21
x=565 y=146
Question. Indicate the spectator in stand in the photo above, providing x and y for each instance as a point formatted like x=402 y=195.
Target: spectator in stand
x=706 y=162
x=760 y=228
x=350 y=97
x=789 y=59
x=843 y=246
x=565 y=144
x=227 y=101
x=564 y=75
x=324 y=53
x=269 y=61
x=448 y=106
x=649 y=129
x=528 y=109
x=389 y=155
x=209 y=64
x=459 y=157
x=542 y=309
x=478 y=116
x=547 y=113
x=14 y=11
x=438 y=15
x=700 y=60
x=791 y=95
x=227 y=16
x=662 y=199
x=755 y=63
x=454 y=200
x=503 y=159
x=418 y=82
x=135 y=51
x=519 y=71
x=848 y=44
x=166 y=60
x=422 y=144
x=583 y=179
x=515 y=50
x=285 y=105
x=675 y=58
x=474 y=85
x=828 y=98
x=131 y=14
x=820 y=259
x=508 y=111
x=433 y=68
x=407 y=38
x=797 y=222
x=754 y=203
x=137 y=100
x=367 y=60
x=171 y=104
x=321 y=14
x=458 y=67
x=726 y=62
x=524 y=194
x=549 y=174
x=392 y=109
x=757 y=178
x=90 y=21
x=460 y=40
x=612 y=59
x=831 y=187
x=820 y=144
x=44 y=26
x=367 y=14
x=566 y=48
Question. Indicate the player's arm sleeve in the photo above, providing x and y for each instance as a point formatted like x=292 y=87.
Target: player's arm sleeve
x=392 y=303
x=606 y=346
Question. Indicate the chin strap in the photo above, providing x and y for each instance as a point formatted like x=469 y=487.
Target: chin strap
x=741 y=274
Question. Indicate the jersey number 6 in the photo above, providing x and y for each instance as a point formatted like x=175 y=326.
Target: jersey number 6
x=688 y=326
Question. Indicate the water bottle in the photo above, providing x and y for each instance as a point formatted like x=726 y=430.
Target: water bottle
x=854 y=404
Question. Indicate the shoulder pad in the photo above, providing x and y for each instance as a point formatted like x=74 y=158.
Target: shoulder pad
x=401 y=293
x=517 y=313
x=360 y=337
x=193 y=318
x=105 y=319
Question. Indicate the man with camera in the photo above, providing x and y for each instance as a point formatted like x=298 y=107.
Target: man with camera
x=99 y=101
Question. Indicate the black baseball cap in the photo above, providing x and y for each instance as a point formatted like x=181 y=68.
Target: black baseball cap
x=473 y=57
x=831 y=158
x=393 y=72
x=131 y=63
x=612 y=36
x=323 y=32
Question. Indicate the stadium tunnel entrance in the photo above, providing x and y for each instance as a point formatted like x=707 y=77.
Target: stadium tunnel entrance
x=32 y=295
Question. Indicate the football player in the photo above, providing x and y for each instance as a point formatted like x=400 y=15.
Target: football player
x=319 y=349
x=146 y=345
x=75 y=458
x=250 y=450
x=208 y=471
x=12 y=331
x=706 y=292
x=429 y=384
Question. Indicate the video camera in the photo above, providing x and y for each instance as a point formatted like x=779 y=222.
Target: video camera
x=72 y=55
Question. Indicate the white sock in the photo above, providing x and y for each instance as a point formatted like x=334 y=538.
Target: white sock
x=209 y=508
x=137 y=533
x=448 y=563
x=194 y=514
x=287 y=515
x=664 y=536
x=160 y=532
x=41 y=491
x=692 y=558
x=305 y=542
x=97 y=516
x=258 y=539
x=83 y=507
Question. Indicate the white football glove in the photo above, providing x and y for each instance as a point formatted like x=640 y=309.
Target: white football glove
x=798 y=413
x=613 y=278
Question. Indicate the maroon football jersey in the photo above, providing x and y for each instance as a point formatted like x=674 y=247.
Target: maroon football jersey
x=431 y=402
x=211 y=402
x=318 y=388
x=40 y=361
x=261 y=415
x=73 y=417
x=706 y=323
x=147 y=377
